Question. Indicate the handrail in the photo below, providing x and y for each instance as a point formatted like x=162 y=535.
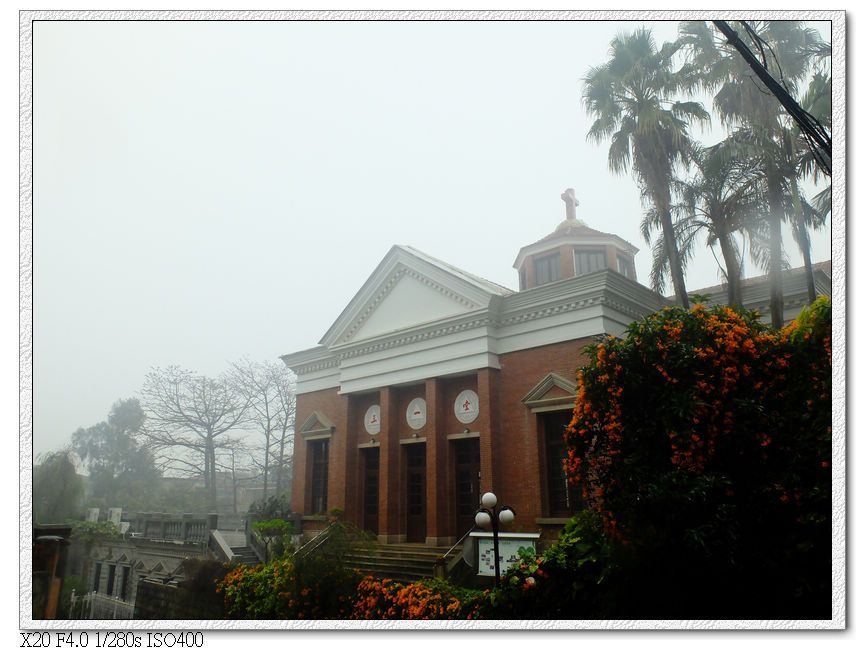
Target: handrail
x=467 y=533
x=445 y=567
x=314 y=543
x=220 y=547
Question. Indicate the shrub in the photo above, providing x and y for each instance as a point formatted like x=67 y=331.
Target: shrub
x=196 y=597
x=427 y=599
x=275 y=534
x=702 y=441
x=569 y=580
x=316 y=588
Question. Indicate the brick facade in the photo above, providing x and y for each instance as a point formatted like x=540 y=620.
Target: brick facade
x=506 y=431
x=421 y=328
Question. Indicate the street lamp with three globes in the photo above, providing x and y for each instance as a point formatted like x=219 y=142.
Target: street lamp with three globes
x=487 y=517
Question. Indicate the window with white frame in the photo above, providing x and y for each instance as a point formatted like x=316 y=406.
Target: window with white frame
x=589 y=261
x=548 y=269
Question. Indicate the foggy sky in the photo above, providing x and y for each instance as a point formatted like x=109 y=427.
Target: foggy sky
x=206 y=191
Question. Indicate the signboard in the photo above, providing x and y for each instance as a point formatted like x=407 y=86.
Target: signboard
x=466 y=406
x=509 y=548
x=415 y=414
x=372 y=420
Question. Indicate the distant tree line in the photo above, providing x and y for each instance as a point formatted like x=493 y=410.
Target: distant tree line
x=184 y=425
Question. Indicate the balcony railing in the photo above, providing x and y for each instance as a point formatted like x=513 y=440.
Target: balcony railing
x=99 y=606
x=186 y=528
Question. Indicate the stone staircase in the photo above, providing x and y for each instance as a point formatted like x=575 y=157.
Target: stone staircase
x=236 y=541
x=400 y=562
x=245 y=555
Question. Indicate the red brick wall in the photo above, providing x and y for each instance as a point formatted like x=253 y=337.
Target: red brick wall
x=510 y=453
x=518 y=461
x=403 y=397
x=356 y=434
x=390 y=519
x=333 y=406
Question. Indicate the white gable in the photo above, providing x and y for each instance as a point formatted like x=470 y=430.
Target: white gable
x=409 y=288
x=409 y=302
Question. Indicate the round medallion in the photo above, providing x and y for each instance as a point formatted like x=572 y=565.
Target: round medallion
x=415 y=414
x=466 y=406
x=372 y=420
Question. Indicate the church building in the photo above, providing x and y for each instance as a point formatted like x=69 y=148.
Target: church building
x=434 y=386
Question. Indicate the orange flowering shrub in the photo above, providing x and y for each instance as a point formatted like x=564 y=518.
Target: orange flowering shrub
x=427 y=599
x=321 y=589
x=704 y=437
x=317 y=589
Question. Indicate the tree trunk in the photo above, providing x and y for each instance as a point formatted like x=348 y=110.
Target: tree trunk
x=281 y=465
x=210 y=479
x=776 y=289
x=266 y=461
x=676 y=274
x=206 y=470
x=734 y=269
x=809 y=272
x=800 y=230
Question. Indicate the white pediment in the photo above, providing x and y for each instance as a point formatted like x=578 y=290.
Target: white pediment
x=409 y=289
x=553 y=392
x=410 y=301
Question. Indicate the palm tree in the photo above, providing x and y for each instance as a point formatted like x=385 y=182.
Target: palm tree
x=631 y=98
x=817 y=101
x=805 y=216
x=721 y=199
x=742 y=100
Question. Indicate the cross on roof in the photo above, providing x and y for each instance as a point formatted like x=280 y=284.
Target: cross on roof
x=571 y=203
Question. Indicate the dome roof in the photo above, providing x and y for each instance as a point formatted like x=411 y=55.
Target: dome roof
x=568 y=224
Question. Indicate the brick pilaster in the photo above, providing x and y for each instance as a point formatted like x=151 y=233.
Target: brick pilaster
x=487 y=425
x=390 y=497
x=439 y=487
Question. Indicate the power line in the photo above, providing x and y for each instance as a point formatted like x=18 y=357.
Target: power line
x=819 y=141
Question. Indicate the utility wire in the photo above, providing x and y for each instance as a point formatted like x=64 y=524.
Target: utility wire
x=819 y=141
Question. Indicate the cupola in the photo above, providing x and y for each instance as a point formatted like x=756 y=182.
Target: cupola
x=573 y=249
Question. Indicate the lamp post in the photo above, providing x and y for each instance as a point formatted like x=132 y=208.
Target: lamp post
x=488 y=517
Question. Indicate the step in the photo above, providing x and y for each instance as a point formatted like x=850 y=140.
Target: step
x=245 y=555
x=411 y=549
x=373 y=564
x=399 y=562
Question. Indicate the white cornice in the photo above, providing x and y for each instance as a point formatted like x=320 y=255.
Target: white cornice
x=604 y=287
x=310 y=360
x=570 y=309
x=755 y=293
x=425 y=332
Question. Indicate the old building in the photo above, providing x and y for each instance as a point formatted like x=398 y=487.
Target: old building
x=434 y=386
x=149 y=552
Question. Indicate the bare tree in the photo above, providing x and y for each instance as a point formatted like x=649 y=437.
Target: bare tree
x=286 y=392
x=189 y=417
x=269 y=388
